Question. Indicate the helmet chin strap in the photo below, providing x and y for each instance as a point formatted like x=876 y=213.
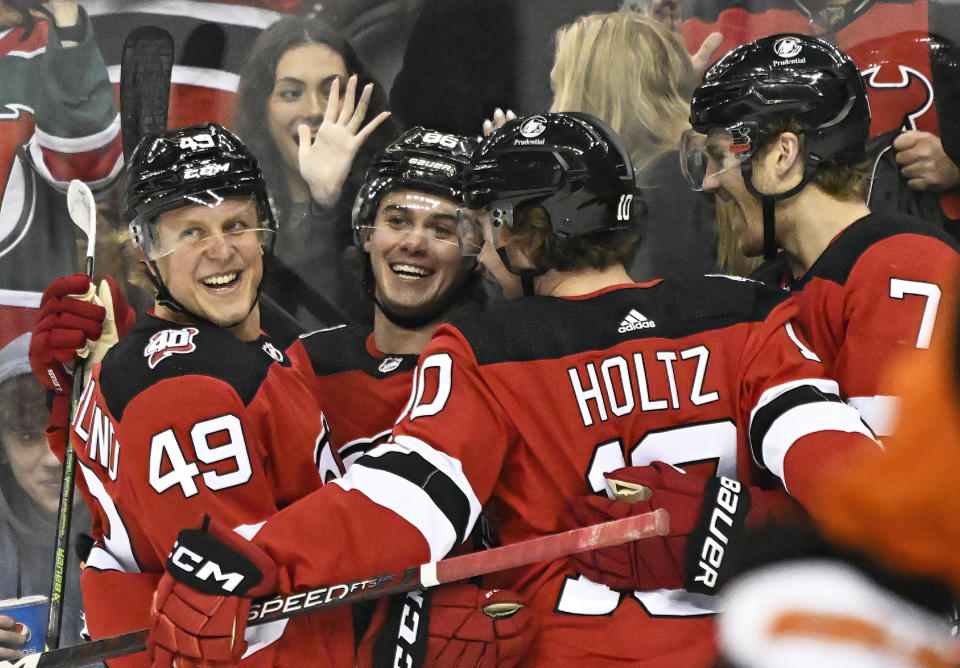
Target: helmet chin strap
x=526 y=275
x=769 y=202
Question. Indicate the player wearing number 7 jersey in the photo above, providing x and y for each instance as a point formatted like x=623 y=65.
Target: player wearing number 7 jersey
x=196 y=411
x=779 y=127
x=520 y=406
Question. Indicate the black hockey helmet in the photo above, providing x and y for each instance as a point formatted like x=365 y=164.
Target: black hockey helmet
x=195 y=165
x=784 y=77
x=787 y=77
x=421 y=159
x=572 y=164
x=200 y=164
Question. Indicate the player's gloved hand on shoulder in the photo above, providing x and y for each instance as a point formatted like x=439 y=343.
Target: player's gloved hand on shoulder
x=77 y=319
x=707 y=516
x=467 y=627
x=199 y=619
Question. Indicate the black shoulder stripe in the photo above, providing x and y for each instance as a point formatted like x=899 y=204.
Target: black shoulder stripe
x=540 y=328
x=766 y=416
x=282 y=327
x=443 y=491
x=837 y=261
x=342 y=349
x=125 y=371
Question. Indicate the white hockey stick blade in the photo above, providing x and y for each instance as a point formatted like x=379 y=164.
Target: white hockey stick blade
x=83 y=211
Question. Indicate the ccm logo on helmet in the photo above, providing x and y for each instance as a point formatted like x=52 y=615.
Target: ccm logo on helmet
x=207 y=170
x=203 y=569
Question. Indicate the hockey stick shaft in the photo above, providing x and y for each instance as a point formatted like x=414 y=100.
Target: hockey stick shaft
x=145 y=69
x=273 y=608
x=83 y=212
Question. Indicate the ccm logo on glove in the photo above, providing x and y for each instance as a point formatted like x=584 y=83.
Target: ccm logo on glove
x=226 y=573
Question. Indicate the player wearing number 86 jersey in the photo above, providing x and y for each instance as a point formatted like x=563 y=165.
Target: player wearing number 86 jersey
x=521 y=406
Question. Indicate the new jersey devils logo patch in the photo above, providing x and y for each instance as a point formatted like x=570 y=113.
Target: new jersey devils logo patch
x=167 y=342
x=898 y=96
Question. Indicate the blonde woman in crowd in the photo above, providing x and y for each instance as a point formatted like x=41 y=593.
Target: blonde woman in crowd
x=631 y=71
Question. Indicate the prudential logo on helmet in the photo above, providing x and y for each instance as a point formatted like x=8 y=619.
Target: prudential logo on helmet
x=533 y=127
x=787 y=47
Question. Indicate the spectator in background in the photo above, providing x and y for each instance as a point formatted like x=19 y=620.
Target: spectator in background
x=632 y=72
x=296 y=74
x=30 y=477
x=59 y=122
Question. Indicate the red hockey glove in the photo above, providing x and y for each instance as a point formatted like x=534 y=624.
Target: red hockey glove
x=471 y=626
x=73 y=312
x=707 y=516
x=467 y=627
x=200 y=608
x=651 y=563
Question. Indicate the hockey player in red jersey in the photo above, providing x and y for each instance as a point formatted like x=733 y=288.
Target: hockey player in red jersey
x=779 y=127
x=903 y=49
x=418 y=247
x=195 y=411
x=524 y=405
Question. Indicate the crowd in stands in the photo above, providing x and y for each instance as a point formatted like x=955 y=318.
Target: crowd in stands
x=339 y=324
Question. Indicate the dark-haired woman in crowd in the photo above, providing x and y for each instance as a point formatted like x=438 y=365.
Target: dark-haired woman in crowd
x=302 y=72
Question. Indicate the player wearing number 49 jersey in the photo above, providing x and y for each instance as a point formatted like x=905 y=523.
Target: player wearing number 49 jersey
x=196 y=412
x=521 y=406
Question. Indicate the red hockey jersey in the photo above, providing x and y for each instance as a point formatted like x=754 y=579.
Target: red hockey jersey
x=182 y=421
x=876 y=290
x=362 y=390
x=525 y=405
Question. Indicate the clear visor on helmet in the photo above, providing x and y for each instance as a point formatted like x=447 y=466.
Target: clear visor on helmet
x=202 y=221
x=434 y=219
x=705 y=156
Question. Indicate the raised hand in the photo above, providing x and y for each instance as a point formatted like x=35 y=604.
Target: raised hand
x=500 y=117
x=325 y=160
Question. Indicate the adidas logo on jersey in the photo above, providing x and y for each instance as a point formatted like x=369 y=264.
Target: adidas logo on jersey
x=635 y=320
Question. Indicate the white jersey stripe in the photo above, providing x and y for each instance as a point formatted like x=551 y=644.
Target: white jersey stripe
x=448 y=465
x=407 y=500
x=880 y=412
